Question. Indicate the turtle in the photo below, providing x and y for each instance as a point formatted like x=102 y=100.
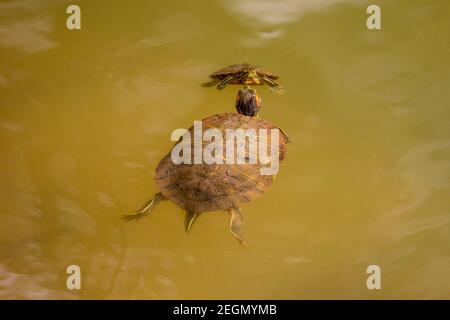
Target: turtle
x=244 y=73
x=200 y=188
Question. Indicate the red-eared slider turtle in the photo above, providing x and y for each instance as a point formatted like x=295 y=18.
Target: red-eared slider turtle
x=202 y=187
x=244 y=73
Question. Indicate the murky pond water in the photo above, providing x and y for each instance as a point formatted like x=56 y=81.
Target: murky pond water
x=86 y=115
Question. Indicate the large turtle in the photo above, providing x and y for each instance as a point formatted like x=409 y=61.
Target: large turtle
x=244 y=73
x=199 y=188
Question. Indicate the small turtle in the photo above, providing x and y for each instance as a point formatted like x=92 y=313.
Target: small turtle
x=244 y=73
x=199 y=188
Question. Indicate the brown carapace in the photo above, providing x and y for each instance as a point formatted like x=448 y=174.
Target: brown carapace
x=244 y=73
x=199 y=188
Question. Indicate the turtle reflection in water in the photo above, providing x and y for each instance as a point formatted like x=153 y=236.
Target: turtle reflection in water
x=244 y=73
x=199 y=188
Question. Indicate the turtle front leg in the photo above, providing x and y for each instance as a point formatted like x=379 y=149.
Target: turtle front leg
x=148 y=206
x=236 y=222
x=211 y=83
x=222 y=84
x=288 y=137
x=273 y=85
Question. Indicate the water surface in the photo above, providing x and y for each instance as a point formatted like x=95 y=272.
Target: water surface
x=85 y=117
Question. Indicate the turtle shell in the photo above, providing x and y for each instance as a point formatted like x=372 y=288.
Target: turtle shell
x=237 y=69
x=208 y=187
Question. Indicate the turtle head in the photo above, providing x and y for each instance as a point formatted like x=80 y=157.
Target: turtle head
x=251 y=77
x=248 y=102
x=252 y=74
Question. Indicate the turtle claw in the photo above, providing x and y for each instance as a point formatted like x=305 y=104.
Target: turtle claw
x=273 y=85
x=277 y=90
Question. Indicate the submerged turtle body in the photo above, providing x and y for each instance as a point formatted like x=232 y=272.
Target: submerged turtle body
x=209 y=187
x=239 y=70
x=221 y=184
x=244 y=73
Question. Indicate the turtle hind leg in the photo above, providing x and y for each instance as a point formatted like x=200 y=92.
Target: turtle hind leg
x=146 y=209
x=189 y=220
x=222 y=84
x=236 y=222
